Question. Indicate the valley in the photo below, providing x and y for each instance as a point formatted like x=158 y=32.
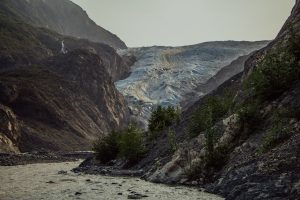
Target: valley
x=83 y=116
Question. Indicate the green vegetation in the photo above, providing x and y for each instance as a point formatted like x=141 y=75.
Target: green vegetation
x=126 y=144
x=107 y=148
x=194 y=170
x=277 y=71
x=215 y=157
x=173 y=146
x=280 y=131
x=212 y=110
x=249 y=115
x=131 y=144
x=161 y=118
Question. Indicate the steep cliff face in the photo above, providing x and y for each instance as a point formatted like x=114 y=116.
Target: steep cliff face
x=9 y=131
x=234 y=68
x=21 y=44
x=88 y=71
x=58 y=101
x=64 y=17
x=254 y=156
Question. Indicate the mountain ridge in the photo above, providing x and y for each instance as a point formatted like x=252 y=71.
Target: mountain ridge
x=64 y=17
x=56 y=101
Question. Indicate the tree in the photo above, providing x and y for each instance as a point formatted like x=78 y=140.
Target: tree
x=131 y=144
x=161 y=118
x=107 y=148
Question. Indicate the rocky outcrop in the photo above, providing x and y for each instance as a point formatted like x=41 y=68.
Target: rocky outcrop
x=88 y=71
x=62 y=101
x=56 y=114
x=273 y=175
x=9 y=131
x=64 y=17
x=234 y=68
x=249 y=171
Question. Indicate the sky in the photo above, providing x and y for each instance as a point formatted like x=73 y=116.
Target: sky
x=184 y=22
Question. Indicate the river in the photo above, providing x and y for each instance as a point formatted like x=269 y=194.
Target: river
x=43 y=181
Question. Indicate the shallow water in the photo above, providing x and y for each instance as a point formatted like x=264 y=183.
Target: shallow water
x=42 y=181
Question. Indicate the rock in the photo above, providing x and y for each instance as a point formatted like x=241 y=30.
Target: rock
x=88 y=180
x=136 y=196
x=78 y=193
x=50 y=182
x=9 y=131
x=62 y=172
x=194 y=183
x=63 y=96
x=120 y=193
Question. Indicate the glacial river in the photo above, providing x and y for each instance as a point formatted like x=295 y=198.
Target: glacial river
x=43 y=181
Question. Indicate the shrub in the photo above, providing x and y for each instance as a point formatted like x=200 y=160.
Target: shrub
x=131 y=144
x=194 y=170
x=127 y=144
x=249 y=114
x=161 y=118
x=173 y=146
x=212 y=110
x=107 y=148
x=217 y=158
x=278 y=133
x=277 y=71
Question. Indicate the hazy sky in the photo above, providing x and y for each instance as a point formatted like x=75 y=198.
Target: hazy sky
x=183 y=22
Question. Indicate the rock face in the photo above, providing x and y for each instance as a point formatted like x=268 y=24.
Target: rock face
x=64 y=17
x=9 y=131
x=170 y=75
x=61 y=101
x=235 y=67
x=248 y=172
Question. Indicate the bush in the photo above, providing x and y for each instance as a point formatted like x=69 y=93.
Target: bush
x=212 y=110
x=279 y=131
x=127 y=144
x=131 y=144
x=277 y=71
x=107 y=148
x=194 y=171
x=217 y=158
x=173 y=146
x=161 y=118
x=249 y=114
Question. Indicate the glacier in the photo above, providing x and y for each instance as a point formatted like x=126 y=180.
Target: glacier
x=164 y=75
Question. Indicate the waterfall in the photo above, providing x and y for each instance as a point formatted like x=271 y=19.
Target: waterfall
x=63 y=49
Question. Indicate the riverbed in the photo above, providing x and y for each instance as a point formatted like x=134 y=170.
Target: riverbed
x=55 y=181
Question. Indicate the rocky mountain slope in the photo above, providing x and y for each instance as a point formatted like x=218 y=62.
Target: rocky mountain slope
x=64 y=17
x=252 y=152
x=52 y=100
x=176 y=75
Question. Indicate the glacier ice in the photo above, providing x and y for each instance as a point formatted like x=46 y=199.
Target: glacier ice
x=163 y=75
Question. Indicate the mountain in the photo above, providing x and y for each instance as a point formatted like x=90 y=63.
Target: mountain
x=235 y=67
x=252 y=150
x=64 y=17
x=171 y=75
x=53 y=99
